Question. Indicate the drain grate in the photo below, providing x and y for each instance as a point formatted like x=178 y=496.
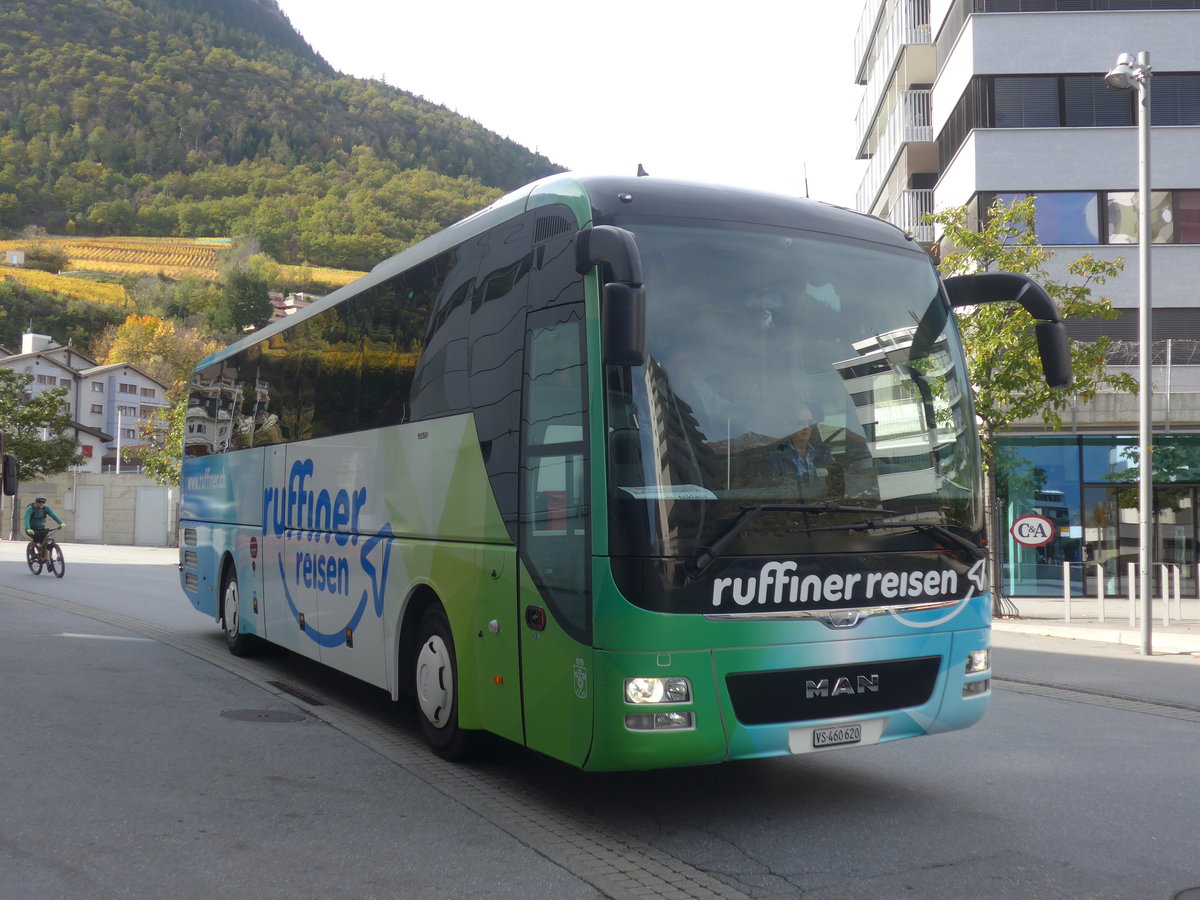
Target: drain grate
x=262 y=715
x=297 y=693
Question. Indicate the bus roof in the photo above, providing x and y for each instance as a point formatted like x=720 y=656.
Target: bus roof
x=599 y=199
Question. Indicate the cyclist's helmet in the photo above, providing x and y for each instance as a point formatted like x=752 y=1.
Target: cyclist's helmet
x=39 y=499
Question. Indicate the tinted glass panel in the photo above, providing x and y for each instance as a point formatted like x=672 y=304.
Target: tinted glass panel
x=784 y=369
x=1175 y=100
x=497 y=342
x=1188 y=205
x=440 y=381
x=1026 y=102
x=1123 y=217
x=1040 y=476
x=1108 y=458
x=1067 y=218
x=214 y=406
x=1088 y=101
x=555 y=506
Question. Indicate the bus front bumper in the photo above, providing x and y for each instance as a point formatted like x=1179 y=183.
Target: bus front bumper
x=757 y=702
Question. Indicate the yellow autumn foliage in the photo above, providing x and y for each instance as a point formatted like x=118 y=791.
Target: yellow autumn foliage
x=64 y=285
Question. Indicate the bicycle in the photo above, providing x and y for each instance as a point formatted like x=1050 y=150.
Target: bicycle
x=47 y=554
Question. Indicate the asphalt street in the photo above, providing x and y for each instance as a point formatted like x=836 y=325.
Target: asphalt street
x=139 y=759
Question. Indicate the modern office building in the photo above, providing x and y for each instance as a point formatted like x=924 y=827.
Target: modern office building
x=967 y=101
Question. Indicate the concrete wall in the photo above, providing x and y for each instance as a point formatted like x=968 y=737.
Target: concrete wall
x=102 y=508
x=1111 y=413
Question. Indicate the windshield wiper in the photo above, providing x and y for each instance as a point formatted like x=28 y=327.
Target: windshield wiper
x=703 y=557
x=970 y=551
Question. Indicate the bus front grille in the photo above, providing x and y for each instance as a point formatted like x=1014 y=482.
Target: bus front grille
x=828 y=692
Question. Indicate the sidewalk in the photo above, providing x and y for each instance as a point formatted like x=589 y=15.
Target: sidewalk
x=1047 y=616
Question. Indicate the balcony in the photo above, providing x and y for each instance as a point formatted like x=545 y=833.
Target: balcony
x=907 y=211
x=910 y=122
x=900 y=23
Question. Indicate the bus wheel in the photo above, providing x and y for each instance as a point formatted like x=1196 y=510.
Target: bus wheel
x=435 y=677
x=239 y=644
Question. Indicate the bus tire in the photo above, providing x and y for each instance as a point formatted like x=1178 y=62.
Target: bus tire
x=239 y=644
x=435 y=679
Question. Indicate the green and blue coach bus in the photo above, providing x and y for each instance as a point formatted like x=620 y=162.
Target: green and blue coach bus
x=635 y=473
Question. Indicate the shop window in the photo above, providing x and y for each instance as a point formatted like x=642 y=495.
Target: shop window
x=1039 y=475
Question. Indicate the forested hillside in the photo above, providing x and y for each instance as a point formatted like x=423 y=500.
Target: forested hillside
x=214 y=117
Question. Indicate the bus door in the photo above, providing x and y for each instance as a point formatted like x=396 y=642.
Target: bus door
x=556 y=662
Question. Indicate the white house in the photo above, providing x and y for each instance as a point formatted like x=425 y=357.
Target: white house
x=108 y=403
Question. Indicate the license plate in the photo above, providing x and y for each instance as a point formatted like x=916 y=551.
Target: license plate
x=837 y=735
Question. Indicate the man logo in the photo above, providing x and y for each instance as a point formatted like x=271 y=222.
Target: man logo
x=863 y=684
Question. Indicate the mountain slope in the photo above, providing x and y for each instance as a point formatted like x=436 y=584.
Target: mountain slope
x=147 y=116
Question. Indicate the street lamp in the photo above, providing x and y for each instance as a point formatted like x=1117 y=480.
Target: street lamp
x=1135 y=74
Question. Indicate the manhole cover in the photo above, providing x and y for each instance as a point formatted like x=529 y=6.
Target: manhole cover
x=262 y=715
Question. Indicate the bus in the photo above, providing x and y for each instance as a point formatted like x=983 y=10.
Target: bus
x=634 y=473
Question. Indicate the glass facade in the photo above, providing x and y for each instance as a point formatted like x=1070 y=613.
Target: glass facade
x=1087 y=485
x=1103 y=217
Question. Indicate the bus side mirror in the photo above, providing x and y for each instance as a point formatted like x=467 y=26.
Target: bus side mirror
x=1008 y=287
x=10 y=475
x=623 y=301
x=623 y=319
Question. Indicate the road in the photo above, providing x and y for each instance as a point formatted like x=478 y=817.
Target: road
x=126 y=777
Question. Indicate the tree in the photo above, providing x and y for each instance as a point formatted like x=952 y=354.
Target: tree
x=1002 y=356
x=244 y=302
x=38 y=430
x=162 y=453
x=159 y=347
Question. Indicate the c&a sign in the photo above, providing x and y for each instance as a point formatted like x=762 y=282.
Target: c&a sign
x=1032 y=531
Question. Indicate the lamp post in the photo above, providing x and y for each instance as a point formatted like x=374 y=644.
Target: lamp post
x=1135 y=74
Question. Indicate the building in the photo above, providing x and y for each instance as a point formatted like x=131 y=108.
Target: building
x=967 y=101
x=108 y=404
x=282 y=307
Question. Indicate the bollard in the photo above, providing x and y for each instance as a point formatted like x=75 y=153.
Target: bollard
x=1177 y=572
x=1066 y=591
x=1100 y=588
x=1132 y=593
x=1166 y=593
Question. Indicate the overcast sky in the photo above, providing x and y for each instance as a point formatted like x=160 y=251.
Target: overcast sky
x=749 y=93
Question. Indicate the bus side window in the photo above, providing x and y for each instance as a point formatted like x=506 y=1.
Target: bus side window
x=497 y=351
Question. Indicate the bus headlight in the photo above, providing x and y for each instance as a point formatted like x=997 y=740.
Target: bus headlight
x=978 y=661
x=657 y=690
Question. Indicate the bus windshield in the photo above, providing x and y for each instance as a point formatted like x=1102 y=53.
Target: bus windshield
x=791 y=369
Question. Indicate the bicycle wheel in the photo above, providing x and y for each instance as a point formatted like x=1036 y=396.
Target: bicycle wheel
x=33 y=558
x=54 y=559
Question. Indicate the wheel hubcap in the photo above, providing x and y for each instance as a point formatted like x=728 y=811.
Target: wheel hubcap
x=231 y=608
x=435 y=681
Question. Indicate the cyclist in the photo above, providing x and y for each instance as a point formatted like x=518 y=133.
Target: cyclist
x=35 y=522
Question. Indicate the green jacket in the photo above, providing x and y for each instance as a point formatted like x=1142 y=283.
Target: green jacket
x=35 y=519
